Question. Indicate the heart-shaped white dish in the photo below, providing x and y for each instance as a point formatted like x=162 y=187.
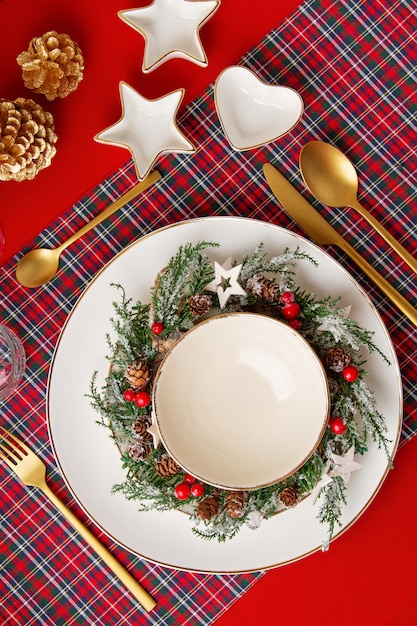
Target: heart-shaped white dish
x=253 y=113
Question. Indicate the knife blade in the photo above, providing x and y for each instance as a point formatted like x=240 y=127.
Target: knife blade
x=321 y=232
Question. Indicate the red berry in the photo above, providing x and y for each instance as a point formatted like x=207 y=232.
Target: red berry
x=129 y=395
x=291 y=311
x=337 y=425
x=142 y=399
x=157 y=328
x=350 y=373
x=182 y=491
x=287 y=297
x=189 y=479
x=295 y=323
x=197 y=490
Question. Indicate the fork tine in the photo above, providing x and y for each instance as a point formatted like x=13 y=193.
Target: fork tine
x=14 y=448
x=8 y=461
x=13 y=441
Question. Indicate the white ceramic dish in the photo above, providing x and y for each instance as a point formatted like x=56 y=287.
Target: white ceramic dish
x=253 y=113
x=89 y=460
x=233 y=406
x=147 y=128
x=171 y=30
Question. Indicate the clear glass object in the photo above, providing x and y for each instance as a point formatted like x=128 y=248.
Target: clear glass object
x=12 y=362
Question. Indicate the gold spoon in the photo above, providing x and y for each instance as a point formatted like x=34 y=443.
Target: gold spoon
x=38 y=266
x=332 y=179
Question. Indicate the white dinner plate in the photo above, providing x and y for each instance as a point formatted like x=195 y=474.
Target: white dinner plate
x=89 y=460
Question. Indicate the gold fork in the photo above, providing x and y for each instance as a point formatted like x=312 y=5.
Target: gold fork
x=32 y=472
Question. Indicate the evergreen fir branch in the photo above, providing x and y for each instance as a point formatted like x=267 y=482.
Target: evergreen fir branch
x=330 y=512
x=325 y=313
x=283 y=264
x=131 y=325
x=373 y=421
x=202 y=274
x=309 y=474
x=222 y=529
x=143 y=485
x=172 y=286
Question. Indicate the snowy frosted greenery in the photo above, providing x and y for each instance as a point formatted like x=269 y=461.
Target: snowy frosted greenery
x=323 y=324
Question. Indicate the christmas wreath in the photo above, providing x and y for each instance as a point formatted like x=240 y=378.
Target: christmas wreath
x=191 y=287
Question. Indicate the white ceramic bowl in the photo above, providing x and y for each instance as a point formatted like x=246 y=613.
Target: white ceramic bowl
x=253 y=113
x=241 y=401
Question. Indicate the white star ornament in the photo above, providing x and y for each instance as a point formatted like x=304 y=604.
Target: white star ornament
x=225 y=282
x=147 y=128
x=323 y=482
x=154 y=431
x=344 y=465
x=171 y=30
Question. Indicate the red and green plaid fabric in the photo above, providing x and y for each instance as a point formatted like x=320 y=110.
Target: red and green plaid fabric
x=354 y=62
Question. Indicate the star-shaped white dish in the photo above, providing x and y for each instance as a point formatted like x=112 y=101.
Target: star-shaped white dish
x=171 y=30
x=147 y=128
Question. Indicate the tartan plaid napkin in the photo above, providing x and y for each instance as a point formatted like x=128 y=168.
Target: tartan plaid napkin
x=354 y=64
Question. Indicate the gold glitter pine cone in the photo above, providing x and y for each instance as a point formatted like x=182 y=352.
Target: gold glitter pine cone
x=27 y=139
x=53 y=65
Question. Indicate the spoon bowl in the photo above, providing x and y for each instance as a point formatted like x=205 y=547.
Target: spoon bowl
x=333 y=180
x=37 y=267
x=328 y=174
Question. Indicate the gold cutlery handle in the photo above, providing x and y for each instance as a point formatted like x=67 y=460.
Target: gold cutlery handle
x=117 y=568
x=115 y=206
x=395 y=245
x=404 y=305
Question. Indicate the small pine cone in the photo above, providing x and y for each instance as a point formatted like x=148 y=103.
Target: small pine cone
x=289 y=497
x=53 y=65
x=140 y=426
x=166 y=466
x=163 y=345
x=137 y=375
x=263 y=288
x=235 y=503
x=337 y=359
x=208 y=508
x=333 y=386
x=200 y=304
x=27 y=139
x=140 y=449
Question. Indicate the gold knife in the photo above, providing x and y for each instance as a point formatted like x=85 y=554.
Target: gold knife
x=321 y=232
